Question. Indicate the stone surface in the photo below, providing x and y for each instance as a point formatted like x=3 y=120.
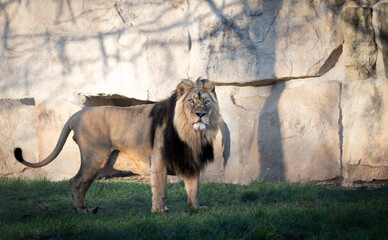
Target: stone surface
x=359 y=45
x=215 y=172
x=51 y=117
x=336 y=3
x=367 y=3
x=284 y=132
x=18 y=129
x=163 y=25
x=307 y=32
x=139 y=49
x=271 y=44
x=324 y=124
x=309 y=132
x=383 y=33
x=365 y=107
x=69 y=47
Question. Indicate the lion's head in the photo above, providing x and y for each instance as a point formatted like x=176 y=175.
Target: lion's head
x=191 y=119
x=197 y=112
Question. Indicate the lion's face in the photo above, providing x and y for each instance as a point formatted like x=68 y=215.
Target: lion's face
x=196 y=109
x=199 y=108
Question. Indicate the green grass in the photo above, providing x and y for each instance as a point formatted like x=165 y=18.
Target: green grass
x=42 y=210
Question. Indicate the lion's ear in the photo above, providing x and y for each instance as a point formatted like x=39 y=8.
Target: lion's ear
x=184 y=86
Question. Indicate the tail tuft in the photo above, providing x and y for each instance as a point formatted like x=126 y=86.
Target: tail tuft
x=18 y=154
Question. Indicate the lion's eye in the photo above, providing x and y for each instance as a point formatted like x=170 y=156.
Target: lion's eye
x=191 y=101
x=207 y=101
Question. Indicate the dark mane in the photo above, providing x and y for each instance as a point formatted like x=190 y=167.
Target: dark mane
x=177 y=154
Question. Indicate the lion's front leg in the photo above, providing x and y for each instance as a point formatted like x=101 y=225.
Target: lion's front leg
x=191 y=185
x=158 y=185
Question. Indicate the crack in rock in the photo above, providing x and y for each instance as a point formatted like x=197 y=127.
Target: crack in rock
x=118 y=10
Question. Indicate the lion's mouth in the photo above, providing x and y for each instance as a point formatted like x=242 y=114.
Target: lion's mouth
x=199 y=125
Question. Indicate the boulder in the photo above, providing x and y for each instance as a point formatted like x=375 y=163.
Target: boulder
x=215 y=172
x=51 y=117
x=365 y=3
x=365 y=153
x=382 y=11
x=233 y=45
x=163 y=26
x=337 y=3
x=140 y=49
x=359 y=42
x=284 y=132
x=70 y=47
x=18 y=129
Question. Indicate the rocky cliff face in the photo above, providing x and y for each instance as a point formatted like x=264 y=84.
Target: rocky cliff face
x=302 y=84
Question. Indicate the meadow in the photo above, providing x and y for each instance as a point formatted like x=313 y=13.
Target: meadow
x=41 y=209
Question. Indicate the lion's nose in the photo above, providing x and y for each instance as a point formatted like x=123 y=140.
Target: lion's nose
x=200 y=114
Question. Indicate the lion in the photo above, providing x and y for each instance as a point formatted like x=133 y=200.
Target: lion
x=173 y=137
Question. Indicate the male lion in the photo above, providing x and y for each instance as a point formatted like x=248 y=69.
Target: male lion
x=176 y=133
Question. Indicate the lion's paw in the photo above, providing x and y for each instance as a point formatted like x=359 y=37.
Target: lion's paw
x=161 y=209
x=196 y=210
x=86 y=210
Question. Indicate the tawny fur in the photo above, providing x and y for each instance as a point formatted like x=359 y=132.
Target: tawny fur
x=145 y=131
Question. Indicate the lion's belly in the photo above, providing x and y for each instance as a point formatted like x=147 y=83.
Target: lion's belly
x=130 y=162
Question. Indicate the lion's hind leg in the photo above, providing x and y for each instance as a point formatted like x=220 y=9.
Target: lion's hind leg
x=78 y=191
x=80 y=183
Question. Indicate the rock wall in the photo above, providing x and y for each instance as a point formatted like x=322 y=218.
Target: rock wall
x=302 y=84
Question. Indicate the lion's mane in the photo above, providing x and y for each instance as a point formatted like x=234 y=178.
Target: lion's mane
x=185 y=150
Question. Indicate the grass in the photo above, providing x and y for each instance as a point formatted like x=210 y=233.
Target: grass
x=42 y=210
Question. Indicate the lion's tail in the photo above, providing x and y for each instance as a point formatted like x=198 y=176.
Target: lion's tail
x=58 y=148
